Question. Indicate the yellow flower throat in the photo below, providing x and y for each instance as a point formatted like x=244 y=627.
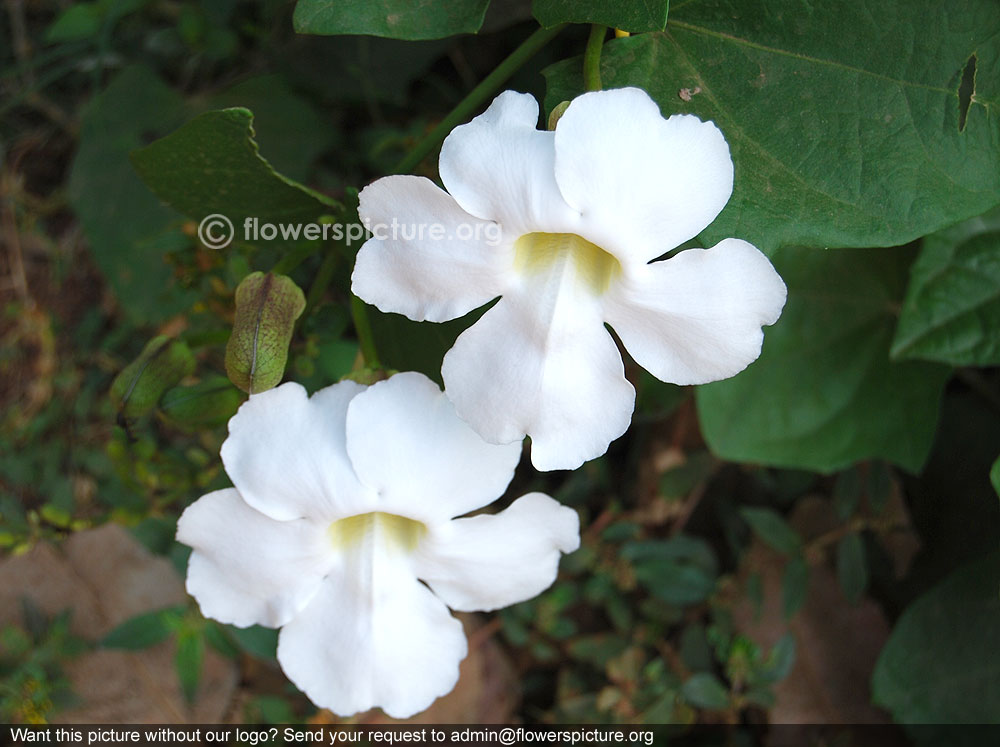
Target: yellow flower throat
x=539 y=252
x=397 y=531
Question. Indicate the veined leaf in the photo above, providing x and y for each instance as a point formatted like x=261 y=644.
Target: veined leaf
x=845 y=120
x=823 y=393
x=951 y=312
x=397 y=19
x=627 y=15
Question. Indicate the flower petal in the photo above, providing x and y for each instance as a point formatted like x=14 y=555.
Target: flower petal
x=487 y=562
x=500 y=167
x=697 y=317
x=418 y=262
x=247 y=568
x=407 y=444
x=541 y=363
x=286 y=454
x=379 y=638
x=644 y=184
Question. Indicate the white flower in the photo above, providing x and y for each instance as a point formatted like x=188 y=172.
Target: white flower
x=342 y=501
x=581 y=212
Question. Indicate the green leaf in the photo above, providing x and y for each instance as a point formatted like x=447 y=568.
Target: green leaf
x=207 y=404
x=772 y=528
x=695 y=651
x=682 y=479
x=940 y=663
x=839 y=138
x=951 y=312
x=163 y=362
x=681 y=570
x=142 y=631
x=187 y=661
x=256 y=640
x=286 y=126
x=406 y=345
x=273 y=709
x=705 y=690
x=852 y=567
x=780 y=660
x=127 y=228
x=266 y=309
x=396 y=19
x=995 y=475
x=627 y=15
x=78 y=21
x=211 y=166
x=879 y=486
x=794 y=586
x=847 y=493
x=597 y=649
x=823 y=393
x=215 y=636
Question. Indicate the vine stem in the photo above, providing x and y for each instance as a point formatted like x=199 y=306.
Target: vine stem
x=363 y=328
x=592 y=57
x=489 y=85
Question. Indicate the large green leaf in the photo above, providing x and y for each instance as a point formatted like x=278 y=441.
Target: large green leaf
x=627 y=15
x=211 y=166
x=844 y=119
x=824 y=393
x=128 y=230
x=286 y=125
x=940 y=664
x=952 y=308
x=396 y=19
x=406 y=345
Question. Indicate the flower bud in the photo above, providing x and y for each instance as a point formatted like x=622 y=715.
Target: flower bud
x=557 y=113
x=266 y=309
x=163 y=362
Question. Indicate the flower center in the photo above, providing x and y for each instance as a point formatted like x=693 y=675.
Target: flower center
x=539 y=252
x=396 y=531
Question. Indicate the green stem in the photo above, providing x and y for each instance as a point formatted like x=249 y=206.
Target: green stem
x=363 y=326
x=293 y=259
x=489 y=85
x=592 y=58
x=322 y=280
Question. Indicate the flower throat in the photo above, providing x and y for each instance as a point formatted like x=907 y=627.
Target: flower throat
x=538 y=252
x=396 y=530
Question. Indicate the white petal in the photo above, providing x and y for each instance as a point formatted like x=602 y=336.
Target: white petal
x=487 y=562
x=246 y=568
x=644 y=184
x=697 y=317
x=407 y=443
x=428 y=258
x=376 y=639
x=286 y=455
x=541 y=363
x=500 y=167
